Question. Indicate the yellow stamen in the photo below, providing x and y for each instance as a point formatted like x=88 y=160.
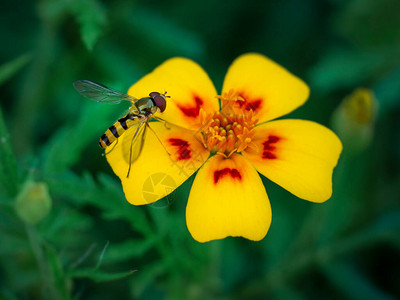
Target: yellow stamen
x=228 y=131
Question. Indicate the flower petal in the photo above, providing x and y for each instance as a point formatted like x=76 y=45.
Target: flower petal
x=228 y=198
x=187 y=84
x=155 y=174
x=298 y=155
x=266 y=87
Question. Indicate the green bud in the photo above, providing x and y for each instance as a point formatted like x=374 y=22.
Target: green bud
x=354 y=120
x=33 y=202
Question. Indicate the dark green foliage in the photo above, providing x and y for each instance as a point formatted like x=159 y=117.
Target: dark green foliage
x=91 y=18
x=95 y=245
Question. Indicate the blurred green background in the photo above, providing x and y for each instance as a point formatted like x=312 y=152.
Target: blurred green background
x=66 y=230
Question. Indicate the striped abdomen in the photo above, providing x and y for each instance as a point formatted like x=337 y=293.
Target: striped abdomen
x=119 y=127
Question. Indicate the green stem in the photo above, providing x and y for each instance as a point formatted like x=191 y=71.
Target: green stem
x=8 y=163
x=44 y=268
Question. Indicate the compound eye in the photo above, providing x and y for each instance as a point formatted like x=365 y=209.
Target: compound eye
x=159 y=100
x=154 y=94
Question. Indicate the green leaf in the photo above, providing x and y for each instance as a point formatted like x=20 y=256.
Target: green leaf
x=100 y=260
x=9 y=69
x=128 y=249
x=146 y=276
x=98 y=276
x=62 y=217
x=67 y=144
x=91 y=18
x=58 y=275
x=107 y=196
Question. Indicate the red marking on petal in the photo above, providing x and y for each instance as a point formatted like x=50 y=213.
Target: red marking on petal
x=268 y=155
x=218 y=174
x=249 y=104
x=183 y=148
x=192 y=111
x=269 y=147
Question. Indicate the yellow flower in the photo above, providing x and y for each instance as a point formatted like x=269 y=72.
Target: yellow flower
x=228 y=146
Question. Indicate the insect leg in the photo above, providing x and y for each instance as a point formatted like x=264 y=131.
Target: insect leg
x=104 y=154
x=162 y=120
x=130 y=152
x=158 y=139
x=138 y=136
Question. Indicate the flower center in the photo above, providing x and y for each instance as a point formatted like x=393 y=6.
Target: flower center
x=229 y=130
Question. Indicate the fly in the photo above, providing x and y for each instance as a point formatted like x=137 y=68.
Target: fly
x=140 y=112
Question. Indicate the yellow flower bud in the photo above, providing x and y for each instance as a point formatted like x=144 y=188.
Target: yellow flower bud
x=33 y=202
x=354 y=119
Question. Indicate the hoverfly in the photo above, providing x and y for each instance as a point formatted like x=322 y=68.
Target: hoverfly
x=140 y=112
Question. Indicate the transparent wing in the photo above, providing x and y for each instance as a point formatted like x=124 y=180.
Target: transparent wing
x=138 y=143
x=100 y=93
x=133 y=147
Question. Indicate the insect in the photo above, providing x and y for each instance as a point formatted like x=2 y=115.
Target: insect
x=140 y=112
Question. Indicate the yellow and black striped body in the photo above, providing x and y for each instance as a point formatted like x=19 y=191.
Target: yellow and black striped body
x=119 y=127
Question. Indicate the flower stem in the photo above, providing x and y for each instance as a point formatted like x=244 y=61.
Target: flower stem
x=8 y=164
x=44 y=268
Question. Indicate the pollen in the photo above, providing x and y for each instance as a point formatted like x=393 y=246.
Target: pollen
x=229 y=130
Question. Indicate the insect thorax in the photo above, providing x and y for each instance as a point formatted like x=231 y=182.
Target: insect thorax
x=146 y=105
